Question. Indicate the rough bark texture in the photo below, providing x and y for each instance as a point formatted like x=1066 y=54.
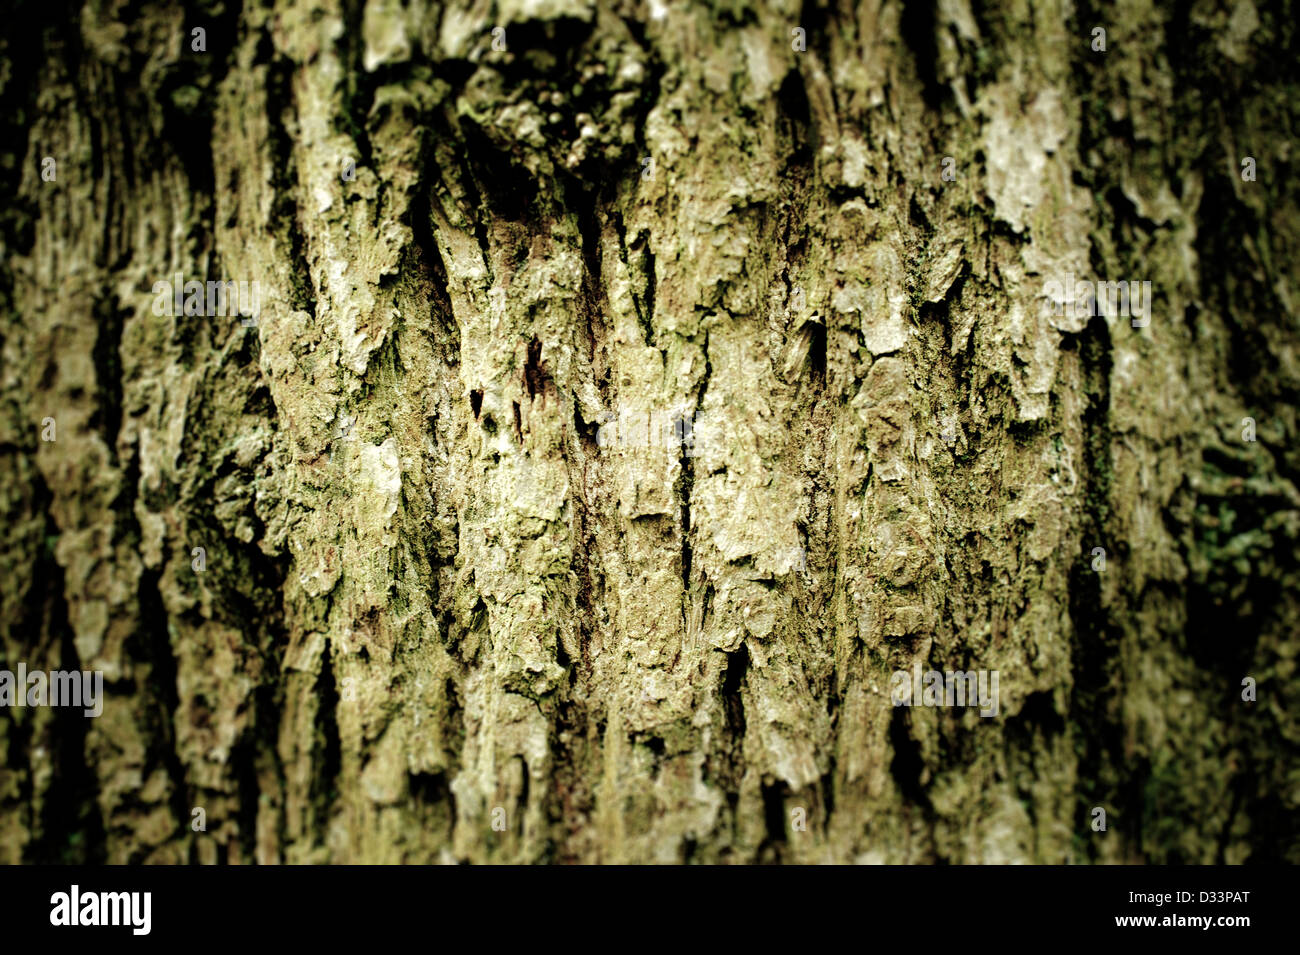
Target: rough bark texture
x=436 y=588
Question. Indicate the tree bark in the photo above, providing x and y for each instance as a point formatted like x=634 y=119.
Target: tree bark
x=635 y=388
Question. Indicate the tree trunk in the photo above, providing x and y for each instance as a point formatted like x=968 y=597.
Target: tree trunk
x=633 y=390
